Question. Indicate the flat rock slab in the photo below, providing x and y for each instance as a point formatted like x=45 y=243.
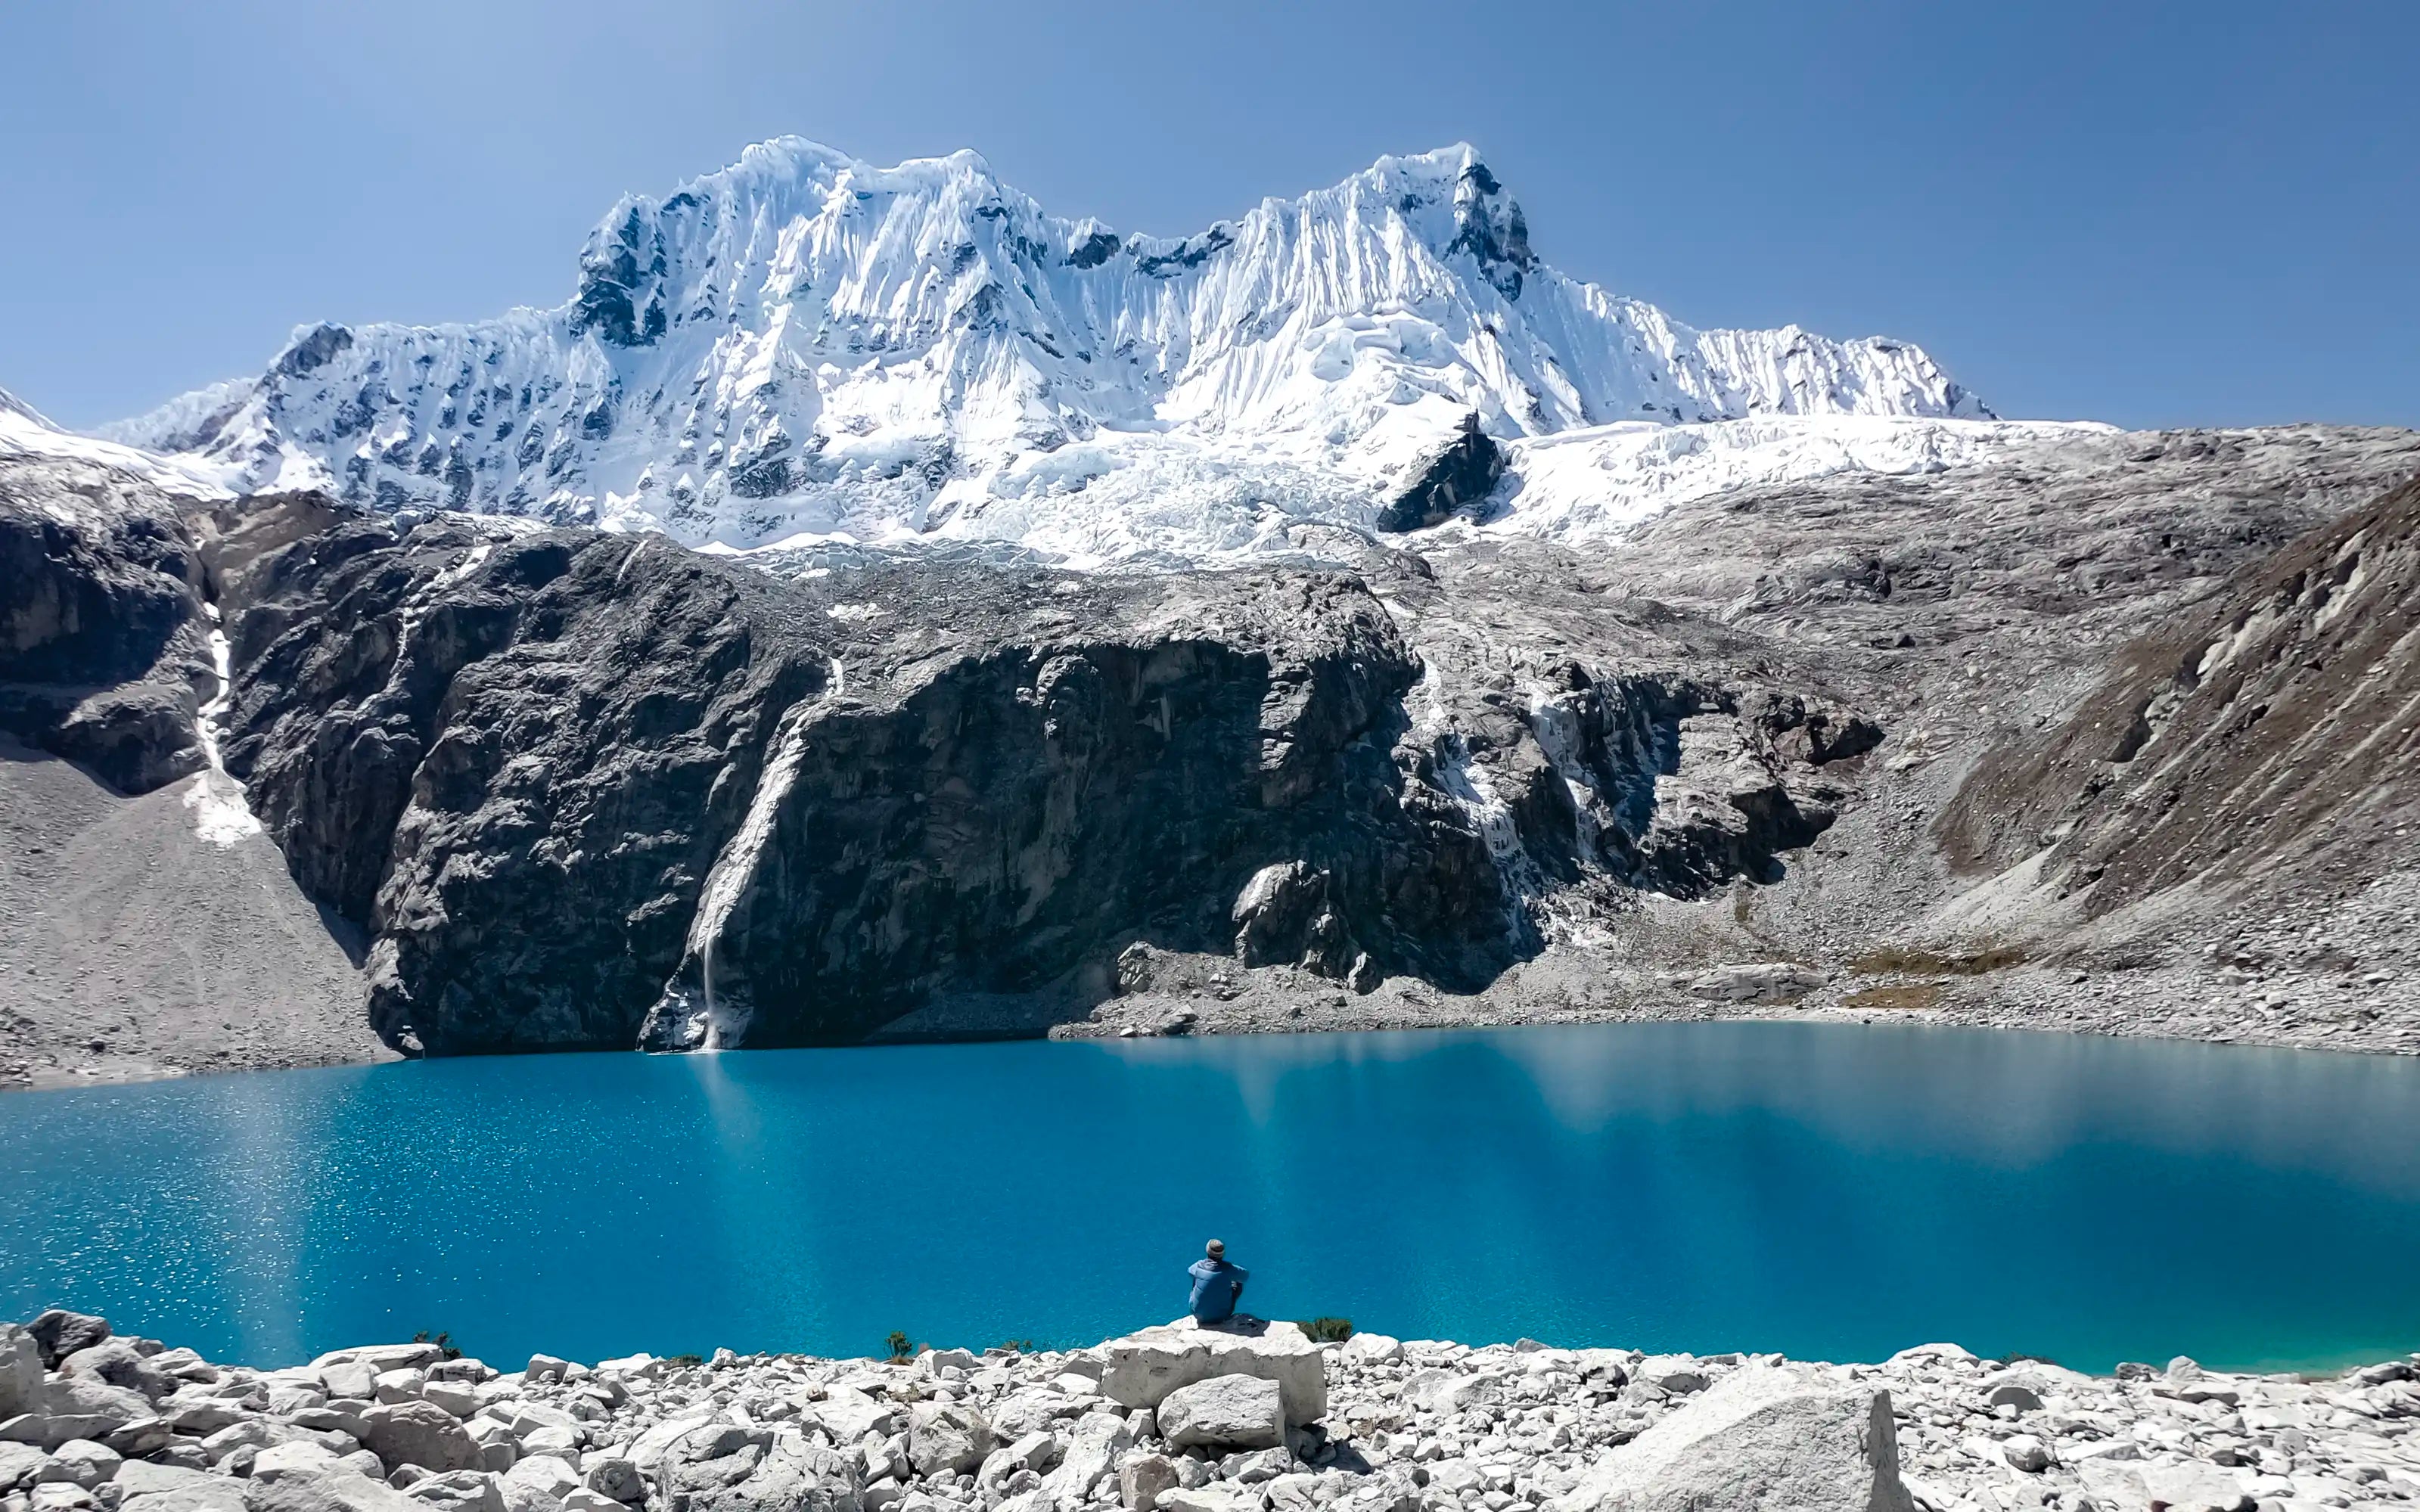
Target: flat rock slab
x=1143 y=1368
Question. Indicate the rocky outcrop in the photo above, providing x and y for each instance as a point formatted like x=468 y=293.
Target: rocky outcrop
x=103 y=657
x=1462 y=475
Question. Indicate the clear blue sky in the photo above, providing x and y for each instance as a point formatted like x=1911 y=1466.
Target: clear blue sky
x=2149 y=213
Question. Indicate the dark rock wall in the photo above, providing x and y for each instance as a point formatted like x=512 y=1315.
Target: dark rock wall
x=1464 y=473
x=592 y=790
x=103 y=657
x=518 y=766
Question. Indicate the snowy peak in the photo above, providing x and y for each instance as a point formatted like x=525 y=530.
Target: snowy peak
x=806 y=344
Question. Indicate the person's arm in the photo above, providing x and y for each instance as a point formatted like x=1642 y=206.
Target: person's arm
x=1242 y=1276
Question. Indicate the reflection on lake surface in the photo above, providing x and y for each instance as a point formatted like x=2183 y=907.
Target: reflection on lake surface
x=1827 y=1190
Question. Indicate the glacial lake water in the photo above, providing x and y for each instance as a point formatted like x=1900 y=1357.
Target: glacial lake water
x=1832 y=1191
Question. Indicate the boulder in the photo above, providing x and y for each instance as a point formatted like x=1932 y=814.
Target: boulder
x=1037 y=1451
x=60 y=1496
x=1090 y=1455
x=117 y=1362
x=17 y=1462
x=549 y=1438
x=849 y=1414
x=648 y=1450
x=84 y=1397
x=204 y=1417
x=300 y=1458
x=142 y=1477
x=749 y=1469
x=614 y=1478
x=59 y=1333
x=1370 y=1348
x=460 y=1490
x=396 y=1385
x=1676 y=1374
x=83 y=1462
x=211 y=1493
x=20 y=1371
x=381 y=1358
x=134 y=737
x=285 y=1399
x=1143 y=1368
x=538 y=1484
x=2026 y=1453
x=46 y=1431
x=144 y=1436
x=1224 y=1412
x=349 y=1380
x=2010 y=1394
x=1444 y=1391
x=337 y=1491
x=1255 y=1467
x=418 y=1433
x=1211 y=1498
x=1765 y=1437
x=1143 y=1479
x=2143 y=1487
x=947 y=1439
x=632 y=1366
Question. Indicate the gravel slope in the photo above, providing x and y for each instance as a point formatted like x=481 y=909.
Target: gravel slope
x=131 y=947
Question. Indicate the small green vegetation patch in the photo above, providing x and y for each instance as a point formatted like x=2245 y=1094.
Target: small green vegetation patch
x=1894 y=960
x=1327 y=1330
x=1912 y=997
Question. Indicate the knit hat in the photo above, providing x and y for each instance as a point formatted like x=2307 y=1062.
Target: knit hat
x=1218 y=1249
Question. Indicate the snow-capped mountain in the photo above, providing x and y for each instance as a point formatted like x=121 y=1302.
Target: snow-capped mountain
x=806 y=345
x=26 y=435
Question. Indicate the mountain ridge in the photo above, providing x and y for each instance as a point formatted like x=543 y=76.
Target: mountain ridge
x=804 y=344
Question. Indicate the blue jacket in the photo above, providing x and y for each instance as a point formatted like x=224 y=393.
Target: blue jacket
x=1216 y=1287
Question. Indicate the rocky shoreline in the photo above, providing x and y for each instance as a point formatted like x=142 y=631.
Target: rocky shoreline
x=1247 y=1417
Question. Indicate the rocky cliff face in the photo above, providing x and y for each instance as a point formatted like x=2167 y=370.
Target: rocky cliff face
x=102 y=647
x=591 y=789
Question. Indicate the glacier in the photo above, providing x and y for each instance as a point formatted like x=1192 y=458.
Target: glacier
x=804 y=348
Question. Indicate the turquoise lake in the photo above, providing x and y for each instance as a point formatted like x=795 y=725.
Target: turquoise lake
x=1834 y=1191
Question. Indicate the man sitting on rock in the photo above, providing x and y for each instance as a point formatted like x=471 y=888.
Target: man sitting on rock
x=1216 y=1285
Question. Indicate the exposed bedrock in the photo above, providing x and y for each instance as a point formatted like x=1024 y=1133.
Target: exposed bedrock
x=1461 y=476
x=101 y=660
x=104 y=639
x=587 y=790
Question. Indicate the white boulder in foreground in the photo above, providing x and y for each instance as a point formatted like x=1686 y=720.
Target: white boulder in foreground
x=1783 y=1438
x=1224 y=1412
x=1142 y=1368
